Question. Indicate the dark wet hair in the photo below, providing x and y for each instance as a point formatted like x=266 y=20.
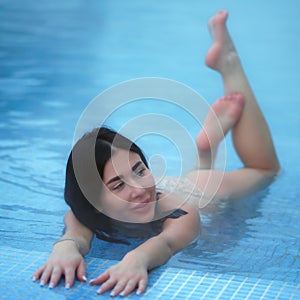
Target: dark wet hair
x=102 y=143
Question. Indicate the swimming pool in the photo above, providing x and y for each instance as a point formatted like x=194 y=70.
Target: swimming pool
x=56 y=56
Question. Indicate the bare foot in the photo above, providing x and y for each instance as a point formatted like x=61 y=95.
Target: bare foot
x=223 y=115
x=222 y=51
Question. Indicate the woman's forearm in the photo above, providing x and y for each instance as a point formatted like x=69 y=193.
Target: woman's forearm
x=176 y=234
x=152 y=253
x=81 y=235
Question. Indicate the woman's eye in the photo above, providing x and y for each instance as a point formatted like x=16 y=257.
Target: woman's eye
x=141 y=172
x=118 y=186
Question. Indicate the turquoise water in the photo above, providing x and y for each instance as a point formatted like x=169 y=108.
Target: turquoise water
x=57 y=56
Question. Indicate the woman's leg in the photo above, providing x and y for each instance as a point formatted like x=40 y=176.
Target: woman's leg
x=223 y=115
x=251 y=135
x=250 y=132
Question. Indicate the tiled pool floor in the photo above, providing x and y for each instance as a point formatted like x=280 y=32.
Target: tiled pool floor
x=17 y=266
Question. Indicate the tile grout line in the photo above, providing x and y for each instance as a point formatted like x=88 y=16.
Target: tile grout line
x=210 y=287
x=239 y=288
x=280 y=291
x=252 y=289
x=267 y=289
x=198 y=284
x=169 y=284
x=225 y=287
x=155 y=284
x=183 y=284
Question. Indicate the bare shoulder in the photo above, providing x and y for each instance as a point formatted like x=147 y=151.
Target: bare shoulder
x=181 y=231
x=169 y=201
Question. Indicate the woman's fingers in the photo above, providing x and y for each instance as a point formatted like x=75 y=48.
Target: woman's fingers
x=107 y=285
x=142 y=286
x=55 y=277
x=53 y=274
x=37 y=274
x=132 y=284
x=118 y=288
x=61 y=262
x=122 y=287
x=69 y=277
x=117 y=283
x=129 y=287
x=81 y=272
x=100 y=279
x=46 y=275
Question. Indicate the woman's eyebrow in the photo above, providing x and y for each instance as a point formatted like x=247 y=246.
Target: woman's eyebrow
x=136 y=165
x=116 y=178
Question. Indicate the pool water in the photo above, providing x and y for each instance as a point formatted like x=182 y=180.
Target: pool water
x=56 y=56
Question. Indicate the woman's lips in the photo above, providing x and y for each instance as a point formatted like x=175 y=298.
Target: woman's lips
x=142 y=206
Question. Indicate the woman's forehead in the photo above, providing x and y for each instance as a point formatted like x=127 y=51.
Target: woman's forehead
x=121 y=162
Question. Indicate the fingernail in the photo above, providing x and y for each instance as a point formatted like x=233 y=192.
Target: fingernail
x=122 y=294
x=138 y=292
x=51 y=285
x=42 y=283
x=99 y=291
x=67 y=286
x=112 y=294
x=84 y=278
x=33 y=278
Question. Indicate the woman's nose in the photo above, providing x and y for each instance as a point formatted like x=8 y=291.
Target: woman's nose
x=136 y=190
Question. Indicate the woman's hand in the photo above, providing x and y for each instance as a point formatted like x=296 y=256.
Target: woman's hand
x=124 y=277
x=65 y=259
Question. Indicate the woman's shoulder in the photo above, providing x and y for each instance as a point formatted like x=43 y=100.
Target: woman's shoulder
x=178 y=185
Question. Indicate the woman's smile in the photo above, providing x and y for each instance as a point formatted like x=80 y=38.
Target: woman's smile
x=143 y=206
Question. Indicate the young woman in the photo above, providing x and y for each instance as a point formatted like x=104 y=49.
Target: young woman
x=127 y=191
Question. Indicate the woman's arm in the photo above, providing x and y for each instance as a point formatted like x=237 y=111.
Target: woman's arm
x=176 y=234
x=132 y=271
x=67 y=255
x=77 y=231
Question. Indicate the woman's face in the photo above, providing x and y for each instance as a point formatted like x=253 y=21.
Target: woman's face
x=129 y=189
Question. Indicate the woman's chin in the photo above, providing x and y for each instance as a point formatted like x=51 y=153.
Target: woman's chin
x=142 y=216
